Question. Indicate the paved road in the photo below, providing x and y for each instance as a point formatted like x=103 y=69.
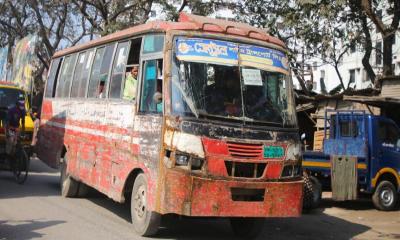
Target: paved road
x=36 y=211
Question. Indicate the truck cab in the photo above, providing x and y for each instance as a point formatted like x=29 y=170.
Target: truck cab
x=360 y=154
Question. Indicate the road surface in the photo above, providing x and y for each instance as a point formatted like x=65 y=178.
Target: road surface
x=35 y=210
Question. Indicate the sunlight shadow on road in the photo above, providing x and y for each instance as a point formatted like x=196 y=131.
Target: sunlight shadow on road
x=24 y=230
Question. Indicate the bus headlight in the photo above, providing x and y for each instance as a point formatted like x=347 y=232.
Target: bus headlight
x=293 y=152
x=181 y=159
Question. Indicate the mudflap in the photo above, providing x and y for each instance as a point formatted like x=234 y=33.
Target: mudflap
x=344 y=177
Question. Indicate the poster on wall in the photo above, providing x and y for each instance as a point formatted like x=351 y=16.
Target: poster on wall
x=24 y=62
x=3 y=63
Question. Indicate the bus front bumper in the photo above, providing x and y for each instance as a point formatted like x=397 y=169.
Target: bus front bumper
x=195 y=196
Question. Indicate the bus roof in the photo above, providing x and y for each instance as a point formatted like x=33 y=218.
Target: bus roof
x=186 y=22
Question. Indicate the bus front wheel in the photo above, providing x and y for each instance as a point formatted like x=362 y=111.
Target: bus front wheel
x=145 y=222
x=69 y=186
x=247 y=228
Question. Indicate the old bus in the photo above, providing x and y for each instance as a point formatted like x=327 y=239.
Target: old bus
x=210 y=129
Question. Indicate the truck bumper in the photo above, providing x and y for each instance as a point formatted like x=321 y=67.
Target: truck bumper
x=196 y=196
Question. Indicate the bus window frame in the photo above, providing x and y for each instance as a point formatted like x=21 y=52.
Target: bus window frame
x=86 y=51
x=115 y=43
x=129 y=41
x=55 y=79
x=94 y=49
x=146 y=57
x=139 y=65
x=110 y=69
x=73 y=73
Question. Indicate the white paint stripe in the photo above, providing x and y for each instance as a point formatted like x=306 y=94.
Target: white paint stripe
x=114 y=136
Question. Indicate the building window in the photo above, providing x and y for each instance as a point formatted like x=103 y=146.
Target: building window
x=314 y=86
x=348 y=128
x=352 y=76
x=378 y=54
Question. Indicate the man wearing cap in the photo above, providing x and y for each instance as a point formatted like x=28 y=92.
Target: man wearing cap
x=15 y=114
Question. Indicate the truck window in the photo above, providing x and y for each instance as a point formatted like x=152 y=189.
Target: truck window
x=348 y=128
x=388 y=134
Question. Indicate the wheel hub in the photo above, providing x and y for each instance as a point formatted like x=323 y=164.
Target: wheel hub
x=387 y=197
x=140 y=202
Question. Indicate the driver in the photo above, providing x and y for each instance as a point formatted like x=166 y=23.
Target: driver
x=15 y=114
x=224 y=97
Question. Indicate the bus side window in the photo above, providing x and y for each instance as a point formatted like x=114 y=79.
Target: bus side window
x=118 y=70
x=52 y=80
x=77 y=75
x=151 y=98
x=100 y=70
x=132 y=71
x=63 y=86
x=79 y=82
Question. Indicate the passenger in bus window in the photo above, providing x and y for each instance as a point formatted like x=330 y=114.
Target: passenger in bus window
x=102 y=84
x=131 y=84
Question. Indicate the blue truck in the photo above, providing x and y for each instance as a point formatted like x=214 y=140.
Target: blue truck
x=360 y=154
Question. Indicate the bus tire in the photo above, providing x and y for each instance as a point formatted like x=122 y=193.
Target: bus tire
x=145 y=222
x=312 y=192
x=385 y=197
x=247 y=228
x=83 y=190
x=69 y=186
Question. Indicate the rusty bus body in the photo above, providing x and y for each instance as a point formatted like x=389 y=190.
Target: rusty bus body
x=224 y=169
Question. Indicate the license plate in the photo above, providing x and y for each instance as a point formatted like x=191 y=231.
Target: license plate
x=273 y=152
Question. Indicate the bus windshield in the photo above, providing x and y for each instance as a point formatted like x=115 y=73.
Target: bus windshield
x=222 y=79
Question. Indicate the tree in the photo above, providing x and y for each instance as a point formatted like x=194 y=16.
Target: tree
x=108 y=16
x=310 y=29
x=388 y=31
x=55 y=22
x=198 y=7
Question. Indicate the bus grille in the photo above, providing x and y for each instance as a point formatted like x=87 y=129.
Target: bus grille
x=245 y=170
x=245 y=150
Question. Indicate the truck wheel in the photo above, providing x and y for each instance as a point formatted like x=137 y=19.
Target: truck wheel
x=69 y=186
x=247 y=228
x=145 y=222
x=312 y=192
x=385 y=197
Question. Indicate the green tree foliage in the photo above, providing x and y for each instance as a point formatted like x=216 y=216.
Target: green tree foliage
x=108 y=16
x=312 y=29
x=55 y=22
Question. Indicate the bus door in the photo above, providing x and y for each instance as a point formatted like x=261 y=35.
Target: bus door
x=120 y=111
x=148 y=122
x=149 y=118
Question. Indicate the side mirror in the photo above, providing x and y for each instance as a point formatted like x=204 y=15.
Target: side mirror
x=303 y=137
